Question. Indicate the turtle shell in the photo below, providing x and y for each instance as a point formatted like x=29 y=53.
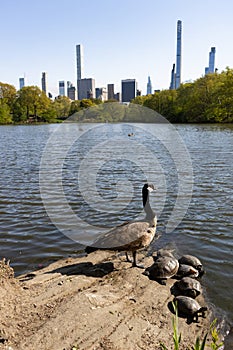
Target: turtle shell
x=189 y=287
x=189 y=307
x=187 y=270
x=163 y=268
x=192 y=261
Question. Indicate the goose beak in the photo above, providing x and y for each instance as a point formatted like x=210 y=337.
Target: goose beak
x=151 y=188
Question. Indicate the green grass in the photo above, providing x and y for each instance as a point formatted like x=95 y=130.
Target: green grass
x=199 y=345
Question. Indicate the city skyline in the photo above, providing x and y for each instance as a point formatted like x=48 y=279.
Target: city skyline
x=128 y=41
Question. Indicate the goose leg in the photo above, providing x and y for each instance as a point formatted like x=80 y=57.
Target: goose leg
x=134 y=264
x=127 y=257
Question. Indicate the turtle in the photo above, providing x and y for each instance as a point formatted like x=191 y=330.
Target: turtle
x=192 y=261
x=189 y=308
x=162 y=252
x=164 y=267
x=189 y=286
x=187 y=270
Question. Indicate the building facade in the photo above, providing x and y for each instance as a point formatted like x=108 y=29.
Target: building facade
x=149 y=87
x=71 y=91
x=44 y=82
x=128 y=90
x=86 y=88
x=178 y=54
x=21 y=83
x=80 y=61
x=101 y=93
x=173 y=78
x=117 y=96
x=110 y=88
x=211 y=67
x=61 y=88
x=79 y=66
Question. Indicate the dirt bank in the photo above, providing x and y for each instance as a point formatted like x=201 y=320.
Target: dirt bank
x=93 y=302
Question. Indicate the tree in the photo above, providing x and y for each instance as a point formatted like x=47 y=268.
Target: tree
x=61 y=106
x=31 y=102
x=5 y=116
x=74 y=107
x=7 y=94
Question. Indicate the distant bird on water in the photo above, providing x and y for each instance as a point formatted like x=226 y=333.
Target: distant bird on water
x=131 y=236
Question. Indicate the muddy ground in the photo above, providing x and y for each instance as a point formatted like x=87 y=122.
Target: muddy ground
x=92 y=302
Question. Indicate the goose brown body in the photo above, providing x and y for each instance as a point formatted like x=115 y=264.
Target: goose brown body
x=130 y=236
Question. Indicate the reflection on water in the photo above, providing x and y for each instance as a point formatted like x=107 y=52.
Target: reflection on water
x=29 y=238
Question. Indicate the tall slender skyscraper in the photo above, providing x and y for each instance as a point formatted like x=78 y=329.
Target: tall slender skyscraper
x=212 y=60
x=173 y=78
x=79 y=57
x=211 y=67
x=149 y=87
x=44 y=82
x=178 y=54
x=79 y=60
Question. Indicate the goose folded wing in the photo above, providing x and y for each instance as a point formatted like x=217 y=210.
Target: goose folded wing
x=122 y=237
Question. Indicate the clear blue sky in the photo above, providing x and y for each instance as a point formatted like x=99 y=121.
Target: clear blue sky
x=122 y=39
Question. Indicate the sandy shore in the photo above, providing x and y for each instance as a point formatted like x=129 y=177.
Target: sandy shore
x=94 y=302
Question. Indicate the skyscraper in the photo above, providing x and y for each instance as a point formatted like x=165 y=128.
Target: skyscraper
x=128 y=90
x=173 y=78
x=149 y=87
x=178 y=54
x=110 y=91
x=61 y=88
x=44 y=82
x=79 y=58
x=86 y=88
x=80 y=62
x=21 y=83
x=71 y=91
x=211 y=67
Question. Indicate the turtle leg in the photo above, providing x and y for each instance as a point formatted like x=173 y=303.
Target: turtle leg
x=203 y=310
x=162 y=281
x=195 y=317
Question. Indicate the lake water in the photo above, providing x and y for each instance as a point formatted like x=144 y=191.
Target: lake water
x=61 y=185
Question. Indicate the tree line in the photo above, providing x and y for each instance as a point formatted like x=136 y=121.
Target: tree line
x=30 y=104
x=208 y=99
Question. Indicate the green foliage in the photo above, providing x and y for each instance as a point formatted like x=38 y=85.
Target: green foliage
x=200 y=345
x=74 y=107
x=61 y=106
x=31 y=102
x=176 y=335
x=214 y=345
x=208 y=99
x=175 y=326
x=5 y=116
x=7 y=94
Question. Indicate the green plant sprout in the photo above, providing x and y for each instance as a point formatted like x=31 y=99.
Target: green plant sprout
x=199 y=345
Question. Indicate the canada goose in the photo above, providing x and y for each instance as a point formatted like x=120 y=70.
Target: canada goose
x=130 y=236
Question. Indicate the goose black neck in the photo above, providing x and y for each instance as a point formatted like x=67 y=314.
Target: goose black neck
x=146 y=203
